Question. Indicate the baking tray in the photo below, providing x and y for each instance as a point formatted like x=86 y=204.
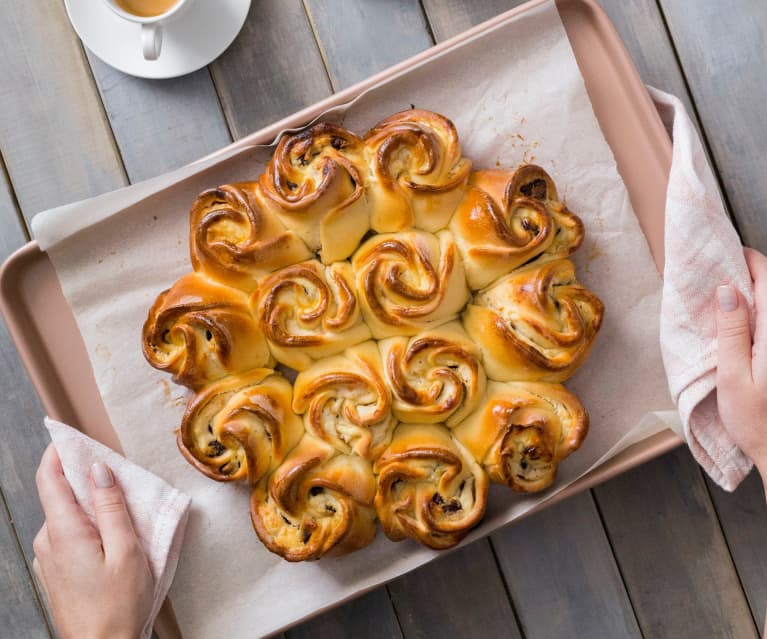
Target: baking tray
x=51 y=347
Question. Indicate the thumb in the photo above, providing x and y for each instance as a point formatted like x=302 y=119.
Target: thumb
x=112 y=517
x=733 y=336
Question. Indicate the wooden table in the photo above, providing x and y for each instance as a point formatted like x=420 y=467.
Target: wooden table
x=657 y=552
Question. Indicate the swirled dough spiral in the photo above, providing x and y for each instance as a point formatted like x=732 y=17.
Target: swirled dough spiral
x=522 y=431
x=240 y=427
x=314 y=183
x=537 y=323
x=409 y=281
x=416 y=171
x=498 y=228
x=346 y=402
x=235 y=239
x=309 y=311
x=430 y=488
x=201 y=331
x=531 y=182
x=318 y=502
x=435 y=376
x=508 y=219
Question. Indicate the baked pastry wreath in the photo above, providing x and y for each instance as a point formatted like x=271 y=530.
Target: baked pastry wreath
x=429 y=313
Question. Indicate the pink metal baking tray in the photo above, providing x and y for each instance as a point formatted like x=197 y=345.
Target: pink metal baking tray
x=44 y=330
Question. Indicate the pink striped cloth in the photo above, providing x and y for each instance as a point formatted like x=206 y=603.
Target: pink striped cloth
x=702 y=251
x=159 y=511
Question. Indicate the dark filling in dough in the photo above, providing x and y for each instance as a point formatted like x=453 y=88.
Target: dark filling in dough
x=536 y=189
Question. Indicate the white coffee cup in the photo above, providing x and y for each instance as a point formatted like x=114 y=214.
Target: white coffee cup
x=151 y=26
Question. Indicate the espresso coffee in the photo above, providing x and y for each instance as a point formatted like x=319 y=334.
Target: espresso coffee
x=146 y=8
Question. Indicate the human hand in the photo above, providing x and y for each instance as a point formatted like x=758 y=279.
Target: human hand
x=96 y=578
x=741 y=376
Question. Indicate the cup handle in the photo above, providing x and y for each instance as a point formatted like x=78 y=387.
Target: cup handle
x=151 y=41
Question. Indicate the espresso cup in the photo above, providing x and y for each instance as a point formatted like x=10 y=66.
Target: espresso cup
x=143 y=12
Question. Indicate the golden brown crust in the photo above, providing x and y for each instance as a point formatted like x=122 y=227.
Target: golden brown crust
x=522 y=431
x=435 y=376
x=429 y=487
x=314 y=183
x=417 y=172
x=309 y=311
x=318 y=502
x=235 y=240
x=240 y=427
x=344 y=400
x=498 y=228
x=409 y=281
x=537 y=323
x=201 y=331
x=531 y=182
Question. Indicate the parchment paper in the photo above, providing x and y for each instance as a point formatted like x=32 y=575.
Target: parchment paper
x=516 y=95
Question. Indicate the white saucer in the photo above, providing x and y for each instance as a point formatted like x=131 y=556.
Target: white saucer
x=190 y=41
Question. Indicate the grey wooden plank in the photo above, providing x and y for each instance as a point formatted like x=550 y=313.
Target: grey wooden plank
x=20 y=614
x=21 y=429
x=721 y=46
x=639 y=23
x=360 y=37
x=358 y=618
x=160 y=125
x=13 y=232
x=54 y=135
x=459 y=595
x=561 y=574
x=743 y=517
x=672 y=553
x=643 y=31
x=450 y=17
x=272 y=69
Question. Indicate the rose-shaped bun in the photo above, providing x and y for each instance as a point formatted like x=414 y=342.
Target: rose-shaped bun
x=494 y=240
x=497 y=228
x=522 y=431
x=201 y=331
x=309 y=311
x=235 y=239
x=429 y=487
x=417 y=173
x=409 y=281
x=314 y=182
x=345 y=401
x=435 y=376
x=317 y=502
x=538 y=323
x=240 y=427
x=531 y=182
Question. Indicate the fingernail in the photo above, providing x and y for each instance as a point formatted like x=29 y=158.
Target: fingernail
x=727 y=298
x=102 y=476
